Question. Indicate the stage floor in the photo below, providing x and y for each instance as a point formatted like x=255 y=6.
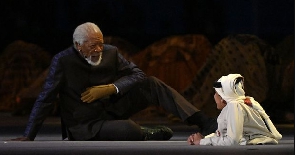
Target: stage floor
x=48 y=141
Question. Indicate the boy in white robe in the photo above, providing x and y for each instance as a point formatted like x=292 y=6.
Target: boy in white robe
x=242 y=120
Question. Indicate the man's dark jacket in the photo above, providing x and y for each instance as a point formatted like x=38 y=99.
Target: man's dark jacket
x=69 y=76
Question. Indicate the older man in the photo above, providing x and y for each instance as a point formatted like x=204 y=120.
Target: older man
x=99 y=90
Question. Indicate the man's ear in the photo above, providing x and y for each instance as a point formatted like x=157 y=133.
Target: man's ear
x=78 y=46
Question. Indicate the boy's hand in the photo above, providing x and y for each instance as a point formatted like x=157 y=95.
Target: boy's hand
x=195 y=138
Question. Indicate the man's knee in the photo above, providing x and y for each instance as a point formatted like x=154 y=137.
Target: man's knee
x=153 y=80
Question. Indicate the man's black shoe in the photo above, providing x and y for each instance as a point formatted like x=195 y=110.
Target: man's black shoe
x=210 y=127
x=157 y=133
x=206 y=124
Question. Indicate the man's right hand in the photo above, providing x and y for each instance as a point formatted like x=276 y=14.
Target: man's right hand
x=21 y=139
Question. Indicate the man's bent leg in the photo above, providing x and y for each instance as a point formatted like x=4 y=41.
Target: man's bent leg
x=170 y=99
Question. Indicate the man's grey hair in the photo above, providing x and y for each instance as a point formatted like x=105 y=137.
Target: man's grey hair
x=82 y=31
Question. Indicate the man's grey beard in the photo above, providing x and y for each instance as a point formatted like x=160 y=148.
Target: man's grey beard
x=88 y=59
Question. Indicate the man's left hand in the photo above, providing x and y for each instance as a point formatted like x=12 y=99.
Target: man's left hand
x=96 y=92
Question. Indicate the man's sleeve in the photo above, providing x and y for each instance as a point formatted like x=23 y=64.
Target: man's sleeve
x=129 y=74
x=44 y=103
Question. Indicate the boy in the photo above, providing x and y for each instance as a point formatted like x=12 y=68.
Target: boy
x=242 y=120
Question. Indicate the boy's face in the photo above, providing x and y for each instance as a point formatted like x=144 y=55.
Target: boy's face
x=220 y=103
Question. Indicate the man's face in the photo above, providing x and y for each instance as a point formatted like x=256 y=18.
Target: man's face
x=92 y=48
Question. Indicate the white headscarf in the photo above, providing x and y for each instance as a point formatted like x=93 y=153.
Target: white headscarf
x=232 y=87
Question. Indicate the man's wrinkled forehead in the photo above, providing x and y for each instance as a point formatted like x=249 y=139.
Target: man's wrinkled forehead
x=94 y=37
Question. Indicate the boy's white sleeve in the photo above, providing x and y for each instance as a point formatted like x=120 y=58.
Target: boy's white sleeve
x=217 y=141
x=207 y=139
x=229 y=129
x=210 y=135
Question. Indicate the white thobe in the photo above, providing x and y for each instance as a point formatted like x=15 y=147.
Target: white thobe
x=239 y=124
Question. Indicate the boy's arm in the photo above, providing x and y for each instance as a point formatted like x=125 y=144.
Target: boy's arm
x=232 y=131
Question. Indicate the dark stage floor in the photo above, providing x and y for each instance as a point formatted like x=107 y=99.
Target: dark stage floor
x=48 y=141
